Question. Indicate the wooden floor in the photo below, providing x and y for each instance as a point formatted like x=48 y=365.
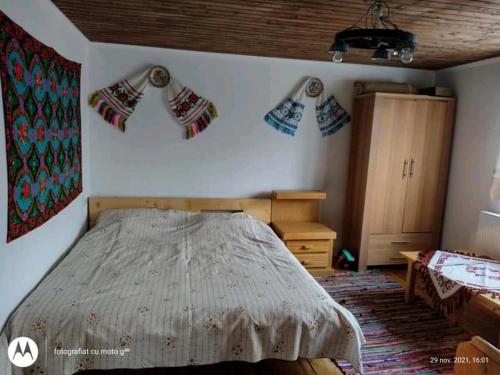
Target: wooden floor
x=320 y=366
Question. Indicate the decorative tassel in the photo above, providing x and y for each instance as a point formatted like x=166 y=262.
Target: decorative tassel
x=202 y=122
x=106 y=111
x=331 y=117
x=194 y=112
x=117 y=102
x=449 y=304
x=286 y=116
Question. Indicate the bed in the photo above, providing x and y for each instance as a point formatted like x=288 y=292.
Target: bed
x=156 y=287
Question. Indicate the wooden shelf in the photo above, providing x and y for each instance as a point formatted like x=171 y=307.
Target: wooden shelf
x=404 y=96
x=299 y=194
x=296 y=205
x=299 y=230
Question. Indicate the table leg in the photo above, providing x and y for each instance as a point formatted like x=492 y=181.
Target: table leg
x=410 y=282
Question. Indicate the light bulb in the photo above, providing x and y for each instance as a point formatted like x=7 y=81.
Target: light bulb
x=381 y=54
x=406 y=55
x=337 y=57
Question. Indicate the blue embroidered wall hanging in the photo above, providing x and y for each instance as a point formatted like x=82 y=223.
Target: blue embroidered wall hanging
x=330 y=115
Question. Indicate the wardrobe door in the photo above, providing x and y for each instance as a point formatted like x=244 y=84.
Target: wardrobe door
x=423 y=198
x=392 y=134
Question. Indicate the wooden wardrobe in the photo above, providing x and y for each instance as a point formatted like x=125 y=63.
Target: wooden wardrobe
x=397 y=175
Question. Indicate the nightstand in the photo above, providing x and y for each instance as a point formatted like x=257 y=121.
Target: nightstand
x=294 y=218
x=311 y=243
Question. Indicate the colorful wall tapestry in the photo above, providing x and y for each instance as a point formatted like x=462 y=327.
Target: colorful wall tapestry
x=41 y=98
x=330 y=116
x=117 y=102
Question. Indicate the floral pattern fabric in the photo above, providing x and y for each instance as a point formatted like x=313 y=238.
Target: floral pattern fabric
x=172 y=288
x=116 y=103
x=194 y=112
x=41 y=98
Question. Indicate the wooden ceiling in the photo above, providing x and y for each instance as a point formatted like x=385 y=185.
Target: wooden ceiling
x=449 y=32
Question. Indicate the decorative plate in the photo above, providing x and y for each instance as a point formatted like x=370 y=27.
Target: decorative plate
x=314 y=87
x=159 y=76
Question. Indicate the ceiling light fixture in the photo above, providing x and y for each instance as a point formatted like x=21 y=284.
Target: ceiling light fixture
x=383 y=36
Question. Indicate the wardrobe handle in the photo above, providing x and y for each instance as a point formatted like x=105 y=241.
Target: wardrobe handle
x=399 y=242
x=412 y=167
x=405 y=164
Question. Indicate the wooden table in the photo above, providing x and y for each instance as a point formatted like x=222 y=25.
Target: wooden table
x=477 y=348
x=411 y=257
x=486 y=300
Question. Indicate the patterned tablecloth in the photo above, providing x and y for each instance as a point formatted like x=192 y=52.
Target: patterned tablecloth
x=451 y=277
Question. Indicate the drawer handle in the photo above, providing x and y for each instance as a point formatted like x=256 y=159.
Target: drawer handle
x=399 y=242
x=303 y=262
x=307 y=247
x=396 y=258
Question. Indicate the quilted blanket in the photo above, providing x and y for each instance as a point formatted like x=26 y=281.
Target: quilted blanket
x=154 y=288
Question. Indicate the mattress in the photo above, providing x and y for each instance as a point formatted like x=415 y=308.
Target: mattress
x=162 y=288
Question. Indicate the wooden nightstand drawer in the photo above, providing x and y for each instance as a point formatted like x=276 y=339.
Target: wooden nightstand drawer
x=310 y=242
x=308 y=246
x=319 y=260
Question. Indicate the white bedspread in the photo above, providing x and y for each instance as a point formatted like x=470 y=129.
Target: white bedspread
x=172 y=288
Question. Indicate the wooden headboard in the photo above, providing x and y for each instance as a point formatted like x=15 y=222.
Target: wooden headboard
x=258 y=208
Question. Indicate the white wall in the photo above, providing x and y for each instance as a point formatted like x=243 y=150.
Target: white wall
x=25 y=260
x=239 y=155
x=475 y=147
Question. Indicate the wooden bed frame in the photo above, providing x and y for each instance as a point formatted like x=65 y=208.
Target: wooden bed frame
x=258 y=208
x=477 y=357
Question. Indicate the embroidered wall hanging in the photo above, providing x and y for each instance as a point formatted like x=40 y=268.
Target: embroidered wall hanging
x=117 y=102
x=330 y=116
x=41 y=97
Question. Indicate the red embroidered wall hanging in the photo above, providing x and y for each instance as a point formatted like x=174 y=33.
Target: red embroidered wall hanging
x=41 y=98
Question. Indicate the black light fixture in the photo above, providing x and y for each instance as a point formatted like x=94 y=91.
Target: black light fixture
x=383 y=36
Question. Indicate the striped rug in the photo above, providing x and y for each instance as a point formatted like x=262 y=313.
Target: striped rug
x=401 y=338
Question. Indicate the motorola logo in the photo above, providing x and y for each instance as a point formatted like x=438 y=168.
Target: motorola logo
x=23 y=352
